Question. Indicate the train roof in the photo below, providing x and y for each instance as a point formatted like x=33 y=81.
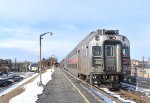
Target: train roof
x=94 y=33
x=100 y=32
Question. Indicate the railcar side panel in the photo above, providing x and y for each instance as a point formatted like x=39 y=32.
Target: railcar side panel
x=102 y=56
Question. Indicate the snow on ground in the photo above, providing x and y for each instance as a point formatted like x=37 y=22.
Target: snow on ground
x=105 y=98
x=130 y=87
x=32 y=89
x=143 y=90
x=22 y=74
x=14 y=86
x=117 y=96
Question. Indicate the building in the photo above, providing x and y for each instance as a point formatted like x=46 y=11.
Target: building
x=5 y=65
x=15 y=67
x=24 y=66
x=21 y=66
x=33 y=67
x=48 y=63
x=136 y=63
x=140 y=68
x=140 y=72
x=141 y=76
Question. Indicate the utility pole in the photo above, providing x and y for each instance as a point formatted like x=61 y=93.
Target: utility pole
x=51 y=61
x=15 y=63
x=136 y=75
x=143 y=67
x=143 y=61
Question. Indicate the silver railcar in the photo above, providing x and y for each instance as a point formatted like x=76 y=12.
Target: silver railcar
x=103 y=56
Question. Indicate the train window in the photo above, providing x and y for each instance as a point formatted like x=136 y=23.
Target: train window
x=125 y=51
x=110 y=50
x=96 y=51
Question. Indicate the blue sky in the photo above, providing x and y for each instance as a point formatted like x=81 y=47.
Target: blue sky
x=21 y=23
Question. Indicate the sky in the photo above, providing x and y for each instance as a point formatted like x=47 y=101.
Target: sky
x=22 y=22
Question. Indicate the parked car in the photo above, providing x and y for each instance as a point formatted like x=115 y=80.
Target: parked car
x=15 y=78
x=5 y=82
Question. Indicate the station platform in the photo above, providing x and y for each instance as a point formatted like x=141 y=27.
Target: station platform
x=60 y=90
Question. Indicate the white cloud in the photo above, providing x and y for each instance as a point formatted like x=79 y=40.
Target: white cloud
x=33 y=46
x=21 y=22
x=69 y=10
x=22 y=44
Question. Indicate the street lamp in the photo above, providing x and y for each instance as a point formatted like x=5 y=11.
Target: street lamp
x=51 y=61
x=40 y=83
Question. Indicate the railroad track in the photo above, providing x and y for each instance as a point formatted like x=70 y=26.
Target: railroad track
x=87 y=85
x=133 y=96
x=103 y=92
x=123 y=93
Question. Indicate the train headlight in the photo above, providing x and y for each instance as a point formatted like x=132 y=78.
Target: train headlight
x=95 y=69
x=97 y=37
x=94 y=77
x=111 y=37
x=123 y=38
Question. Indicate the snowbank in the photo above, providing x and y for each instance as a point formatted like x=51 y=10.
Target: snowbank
x=105 y=98
x=32 y=89
x=14 y=86
x=123 y=100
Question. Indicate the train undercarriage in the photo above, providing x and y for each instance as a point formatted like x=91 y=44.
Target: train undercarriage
x=111 y=81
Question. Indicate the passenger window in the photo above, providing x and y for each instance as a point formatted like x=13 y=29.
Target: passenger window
x=96 y=51
x=110 y=51
x=125 y=51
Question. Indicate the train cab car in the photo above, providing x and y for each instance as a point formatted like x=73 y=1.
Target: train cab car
x=102 y=57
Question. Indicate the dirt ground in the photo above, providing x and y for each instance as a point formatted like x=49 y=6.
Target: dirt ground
x=135 y=97
x=5 y=98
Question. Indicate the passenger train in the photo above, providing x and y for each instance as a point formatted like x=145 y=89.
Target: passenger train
x=103 y=56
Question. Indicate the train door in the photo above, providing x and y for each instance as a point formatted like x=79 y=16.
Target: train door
x=110 y=60
x=79 y=63
x=113 y=57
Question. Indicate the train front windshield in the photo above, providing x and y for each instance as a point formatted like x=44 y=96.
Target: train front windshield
x=96 y=51
x=125 y=51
